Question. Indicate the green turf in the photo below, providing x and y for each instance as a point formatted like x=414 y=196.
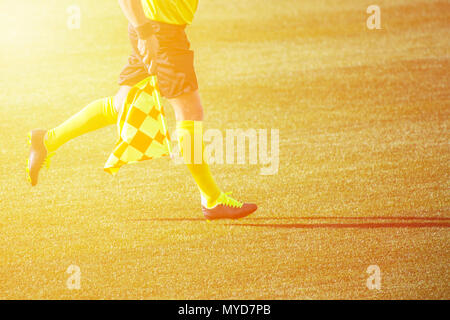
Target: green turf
x=363 y=118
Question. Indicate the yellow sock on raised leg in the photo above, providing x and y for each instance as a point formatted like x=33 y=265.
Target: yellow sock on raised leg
x=95 y=115
x=98 y=114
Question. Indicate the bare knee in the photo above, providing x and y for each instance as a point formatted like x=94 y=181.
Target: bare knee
x=188 y=106
x=119 y=98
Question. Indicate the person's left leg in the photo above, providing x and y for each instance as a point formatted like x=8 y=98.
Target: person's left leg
x=215 y=204
x=173 y=64
x=189 y=115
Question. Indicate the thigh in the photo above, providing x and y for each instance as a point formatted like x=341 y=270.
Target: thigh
x=135 y=70
x=119 y=98
x=174 y=61
x=188 y=106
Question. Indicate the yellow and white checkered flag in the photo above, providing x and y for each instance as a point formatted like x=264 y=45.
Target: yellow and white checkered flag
x=142 y=127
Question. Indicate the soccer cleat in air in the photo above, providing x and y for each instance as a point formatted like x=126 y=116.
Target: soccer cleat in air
x=228 y=208
x=38 y=156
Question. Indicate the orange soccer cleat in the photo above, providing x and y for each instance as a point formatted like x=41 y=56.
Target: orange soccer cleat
x=228 y=208
x=38 y=155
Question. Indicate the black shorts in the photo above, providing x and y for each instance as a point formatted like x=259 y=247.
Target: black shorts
x=174 y=61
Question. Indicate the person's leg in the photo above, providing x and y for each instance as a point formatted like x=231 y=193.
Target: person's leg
x=189 y=115
x=120 y=97
x=215 y=204
x=187 y=106
x=174 y=67
x=98 y=114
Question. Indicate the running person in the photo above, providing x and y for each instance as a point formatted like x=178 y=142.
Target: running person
x=157 y=34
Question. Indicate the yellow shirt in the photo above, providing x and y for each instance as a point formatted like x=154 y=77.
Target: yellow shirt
x=170 y=11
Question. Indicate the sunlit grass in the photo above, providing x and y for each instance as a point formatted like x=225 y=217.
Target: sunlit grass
x=363 y=118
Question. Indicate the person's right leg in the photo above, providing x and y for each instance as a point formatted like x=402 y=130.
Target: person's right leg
x=98 y=114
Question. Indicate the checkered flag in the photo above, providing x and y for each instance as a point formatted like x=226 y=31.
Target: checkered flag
x=142 y=128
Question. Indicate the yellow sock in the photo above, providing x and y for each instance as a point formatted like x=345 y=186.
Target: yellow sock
x=190 y=139
x=96 y=115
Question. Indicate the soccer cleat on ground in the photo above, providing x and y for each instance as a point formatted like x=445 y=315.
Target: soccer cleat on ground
x=228 y=208
x=38 y=155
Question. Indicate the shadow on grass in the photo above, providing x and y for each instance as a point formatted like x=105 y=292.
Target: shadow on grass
x=349 y=225
x=370 y=222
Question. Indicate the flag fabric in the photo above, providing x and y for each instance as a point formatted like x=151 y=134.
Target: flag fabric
x=142 y=127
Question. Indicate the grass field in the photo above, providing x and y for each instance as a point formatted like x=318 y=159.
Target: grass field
x=364 y=156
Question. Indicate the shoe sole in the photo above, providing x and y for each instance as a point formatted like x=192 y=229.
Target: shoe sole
x=29 y=142
x=209 y=219
x=28 y=160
